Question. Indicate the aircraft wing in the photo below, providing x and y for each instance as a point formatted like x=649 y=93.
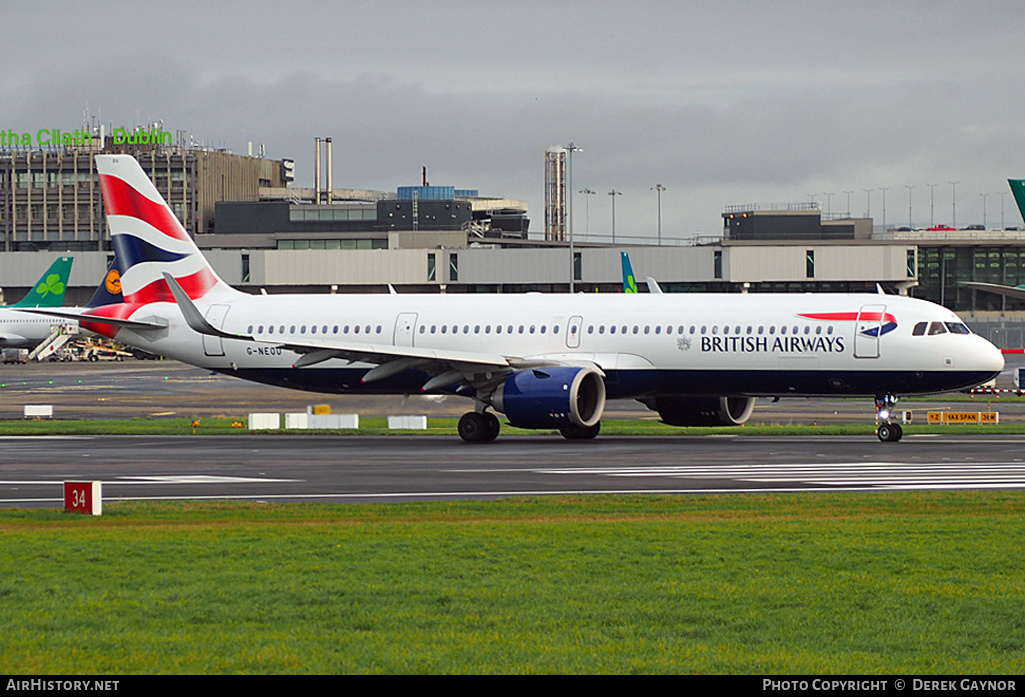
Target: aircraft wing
x=1016 y=292
x=448 y=367
x=86 y=316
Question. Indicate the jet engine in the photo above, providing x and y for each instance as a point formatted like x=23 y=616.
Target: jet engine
x=555 y=397
x=702 y=411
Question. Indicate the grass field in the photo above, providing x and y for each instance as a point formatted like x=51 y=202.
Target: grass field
x=805 y=583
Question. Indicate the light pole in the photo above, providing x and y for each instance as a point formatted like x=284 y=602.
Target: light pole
x=953 y=204
x=911 y=225
x=570 y=149
x=1001 y=194
x=613 y=194
x=868 y=202
x=587 y=211
x=849 y=202
x=932 y=204
x=829 y=204
x=984 y=210
x=658 y=189
x=883 y=189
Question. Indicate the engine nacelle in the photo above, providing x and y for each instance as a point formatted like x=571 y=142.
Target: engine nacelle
x=702 y=411
x=552 y=397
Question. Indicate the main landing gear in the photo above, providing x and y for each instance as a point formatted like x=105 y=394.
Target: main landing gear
x=478 y=427
x=483 y=427
x=887 y=430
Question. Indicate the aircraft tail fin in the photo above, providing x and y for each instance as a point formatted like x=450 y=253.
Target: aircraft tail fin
x=629 y=281
x=1018 y=189
x=48 y=291
x=148 y=239
x=109 y=290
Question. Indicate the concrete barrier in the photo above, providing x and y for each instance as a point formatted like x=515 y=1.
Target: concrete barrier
x=410 y=423
x=264 y=422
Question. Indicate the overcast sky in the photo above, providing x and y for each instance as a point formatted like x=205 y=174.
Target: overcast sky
x=720 y=102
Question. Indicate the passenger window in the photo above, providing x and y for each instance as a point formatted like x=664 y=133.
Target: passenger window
x=555 y=329
x=270 y=329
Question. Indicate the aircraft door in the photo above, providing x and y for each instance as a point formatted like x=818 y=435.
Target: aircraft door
x=404 y=325
x=214 y=345
x=867 y=329
x=573 y=330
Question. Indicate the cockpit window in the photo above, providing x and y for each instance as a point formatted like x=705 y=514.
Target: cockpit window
x=958 y=328
x=919 y=329
x=937 y=328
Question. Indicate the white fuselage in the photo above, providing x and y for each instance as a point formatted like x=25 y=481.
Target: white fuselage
x=26 y=329
x=720 y=344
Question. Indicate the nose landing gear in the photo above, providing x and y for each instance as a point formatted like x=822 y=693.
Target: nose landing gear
x=887 y=430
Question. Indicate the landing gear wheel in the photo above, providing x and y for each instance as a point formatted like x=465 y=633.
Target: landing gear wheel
x=889 y=433
x=493 y=426
x=476 y=427
x=575 y=432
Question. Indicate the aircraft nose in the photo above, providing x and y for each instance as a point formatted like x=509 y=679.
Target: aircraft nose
x=989 y=357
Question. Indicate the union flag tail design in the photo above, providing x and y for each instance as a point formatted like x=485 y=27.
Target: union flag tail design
x=148 y=239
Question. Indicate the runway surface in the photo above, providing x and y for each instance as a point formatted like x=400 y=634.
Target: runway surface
x=363 y=469
x=282 y=467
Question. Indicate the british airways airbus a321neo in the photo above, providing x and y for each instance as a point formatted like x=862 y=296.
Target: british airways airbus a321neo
x=545 y=361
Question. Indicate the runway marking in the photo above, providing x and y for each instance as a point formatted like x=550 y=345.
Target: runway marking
x=194 y=479
x=878 y=475
x=166 y=479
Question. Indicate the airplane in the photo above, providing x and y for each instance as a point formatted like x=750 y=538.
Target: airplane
x=22 y=329
x=630 y=282
x=546 y=361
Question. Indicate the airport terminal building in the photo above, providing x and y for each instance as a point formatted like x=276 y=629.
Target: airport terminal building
x=262 y=235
